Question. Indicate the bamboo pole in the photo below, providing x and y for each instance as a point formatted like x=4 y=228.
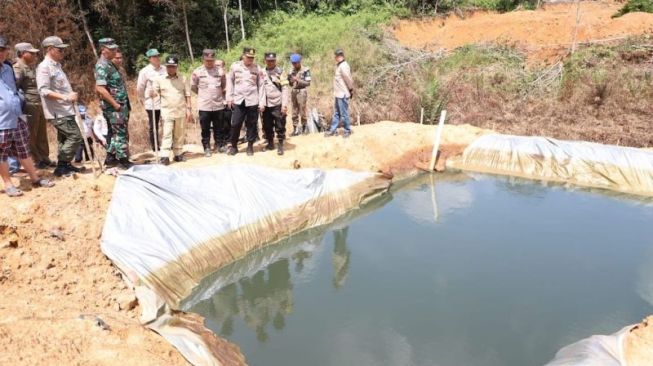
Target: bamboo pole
x=436 y=140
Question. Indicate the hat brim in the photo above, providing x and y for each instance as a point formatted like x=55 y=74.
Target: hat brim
x=154 y=55
x=111 y=46
x=208 y=58
x=63 y=45
x=270 y=59
x=33 y=50
x=167 y=64
x=250 y=55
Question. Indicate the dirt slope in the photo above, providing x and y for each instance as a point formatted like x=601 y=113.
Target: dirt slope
x=64 y=303
x=545 y=34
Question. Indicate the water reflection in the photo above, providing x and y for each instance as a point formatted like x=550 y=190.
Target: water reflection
x=340 y=258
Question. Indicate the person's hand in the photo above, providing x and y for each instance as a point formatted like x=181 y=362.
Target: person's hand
x=230 y=104
x=261 y=109
x=189 y=116
x=72 y=97
x=351 y=93
x=152 y=94
x=117 y=107
x=284 y=109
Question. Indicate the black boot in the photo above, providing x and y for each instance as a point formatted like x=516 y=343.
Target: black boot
x=165 y=161
x=125 y=163
x=250 y=148
x=270 y=145
x=73 y=168
x=110 y=161
x=233 y=150
x=280 y=148
x=179 y=158
x=62 y=170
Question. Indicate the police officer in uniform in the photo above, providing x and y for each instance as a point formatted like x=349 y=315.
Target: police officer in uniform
x=299 y=79
x=273 y=102
x=243 y=83
x=25 y=72
x=209 y=82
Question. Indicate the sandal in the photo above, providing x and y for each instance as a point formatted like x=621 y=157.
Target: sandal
x=42 y=182
x=13 y=191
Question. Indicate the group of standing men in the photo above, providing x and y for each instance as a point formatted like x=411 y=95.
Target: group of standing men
x=226 y=101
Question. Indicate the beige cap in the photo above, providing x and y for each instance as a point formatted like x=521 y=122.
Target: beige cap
x=25 y=47
x=53 y=41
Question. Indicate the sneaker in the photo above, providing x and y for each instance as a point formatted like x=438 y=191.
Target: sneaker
x=346 y=134
x=207 y=152
x=329 y=133
x=179 y=158
x=223 y=149
x=165 y=161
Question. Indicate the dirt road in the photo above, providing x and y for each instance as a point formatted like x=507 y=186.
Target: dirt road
x=544 y=34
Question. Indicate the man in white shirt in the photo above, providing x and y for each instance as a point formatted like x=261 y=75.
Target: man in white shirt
x=343 y=89
x=143 y=87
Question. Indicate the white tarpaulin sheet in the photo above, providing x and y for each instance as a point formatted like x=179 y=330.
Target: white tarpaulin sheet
x=166 y=229
x=587 y=164
x=597 y=350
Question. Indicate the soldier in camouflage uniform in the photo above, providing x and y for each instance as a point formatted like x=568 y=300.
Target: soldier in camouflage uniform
x=299 y=78
x=110 y=86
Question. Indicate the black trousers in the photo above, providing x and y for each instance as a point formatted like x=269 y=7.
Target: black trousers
x=274 y=121
x=157 y=118
x=217 y=121
x=241 y=114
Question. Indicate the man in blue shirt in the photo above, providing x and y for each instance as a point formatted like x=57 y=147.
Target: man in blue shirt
x=14 y=133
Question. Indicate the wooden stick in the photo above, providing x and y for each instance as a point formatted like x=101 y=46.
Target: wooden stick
x=79 y=121
x=436 y=140
x=421 y=117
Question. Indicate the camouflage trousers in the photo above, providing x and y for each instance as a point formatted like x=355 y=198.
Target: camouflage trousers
x=118 y=143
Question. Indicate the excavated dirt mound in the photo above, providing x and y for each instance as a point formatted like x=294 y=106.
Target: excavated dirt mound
x=63 y=302
x=544 y=34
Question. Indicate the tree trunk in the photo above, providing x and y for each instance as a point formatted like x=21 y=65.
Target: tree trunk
x=190 y=48
x=225 y=8
x=82 y=14
x=242 y=24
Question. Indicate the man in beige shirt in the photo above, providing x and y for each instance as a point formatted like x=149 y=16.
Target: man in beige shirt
x=143 y=86
x=57 y=99
x=274 y=102
x=343 y=89
x=174 y=96
x=209 y=82
x=243 y=83
x=25 y=71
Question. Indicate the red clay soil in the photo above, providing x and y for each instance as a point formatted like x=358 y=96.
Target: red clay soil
x=544 y=34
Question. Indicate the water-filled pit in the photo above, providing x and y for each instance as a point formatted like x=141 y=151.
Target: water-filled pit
x=451 y=270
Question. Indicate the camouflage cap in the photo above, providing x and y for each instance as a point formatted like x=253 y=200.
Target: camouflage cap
x=109 y=43
x=25 y=47
x=152 y=52
x=3 y=42
x=270 y=56
x=208 y=54
x=249 y=52
x=53 y=41
x=172 y=60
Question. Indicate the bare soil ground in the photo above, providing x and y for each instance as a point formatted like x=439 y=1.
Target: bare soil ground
x=545 y=34
x=62 y=300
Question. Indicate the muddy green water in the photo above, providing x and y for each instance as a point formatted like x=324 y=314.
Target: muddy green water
x=453 y=271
